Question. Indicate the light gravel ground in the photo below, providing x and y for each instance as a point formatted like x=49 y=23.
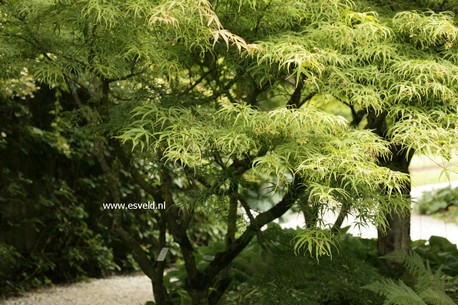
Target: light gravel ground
x=119 y=290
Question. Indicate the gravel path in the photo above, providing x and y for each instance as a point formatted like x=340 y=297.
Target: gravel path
x=119 y=290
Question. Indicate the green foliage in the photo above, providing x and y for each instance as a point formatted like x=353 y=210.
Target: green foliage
x=442 y=203
x=64 y=247
x=319 y=148
x=51 y=229
x=211 y=100
x=451 y=286
x=368 y=64
x=428 y=29
x=268 y=272
x=316 y=242
x=396 y=293
x=440 y=253
x=428 y=287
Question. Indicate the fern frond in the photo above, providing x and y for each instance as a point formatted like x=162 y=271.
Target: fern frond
x=436 y=297
x=395 y=293
x=428 y=285
x=414 y=263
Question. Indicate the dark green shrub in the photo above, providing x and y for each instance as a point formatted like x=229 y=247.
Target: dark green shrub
x=442 y=203
x=52 y=227
x=60 y=244
x=268 y=272
x=440 y=253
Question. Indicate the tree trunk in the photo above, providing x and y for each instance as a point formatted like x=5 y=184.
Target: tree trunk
x=397 y=236
x=199 y=297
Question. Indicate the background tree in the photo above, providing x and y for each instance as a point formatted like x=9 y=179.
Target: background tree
x=39 y=174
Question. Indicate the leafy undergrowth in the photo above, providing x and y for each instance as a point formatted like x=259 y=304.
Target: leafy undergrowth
x=442 y=203
x=442 y=255
x=268 y=272
x=425 y=285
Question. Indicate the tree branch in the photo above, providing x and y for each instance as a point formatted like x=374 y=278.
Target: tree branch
x=127 y=76
x=153 y=269
x=377 y=122
x=295 y=98
x=223 y=259
x=138 y=177
x=232 y=214
x=144 y=262
x=224 y=89
x=356 y=115
x=247 y=209
x=341 y=217
x=307 y=98
x=179 y=233
x=197 y=82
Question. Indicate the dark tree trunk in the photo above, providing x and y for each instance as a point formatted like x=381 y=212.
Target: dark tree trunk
x=199 y=297
x=397 y=237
